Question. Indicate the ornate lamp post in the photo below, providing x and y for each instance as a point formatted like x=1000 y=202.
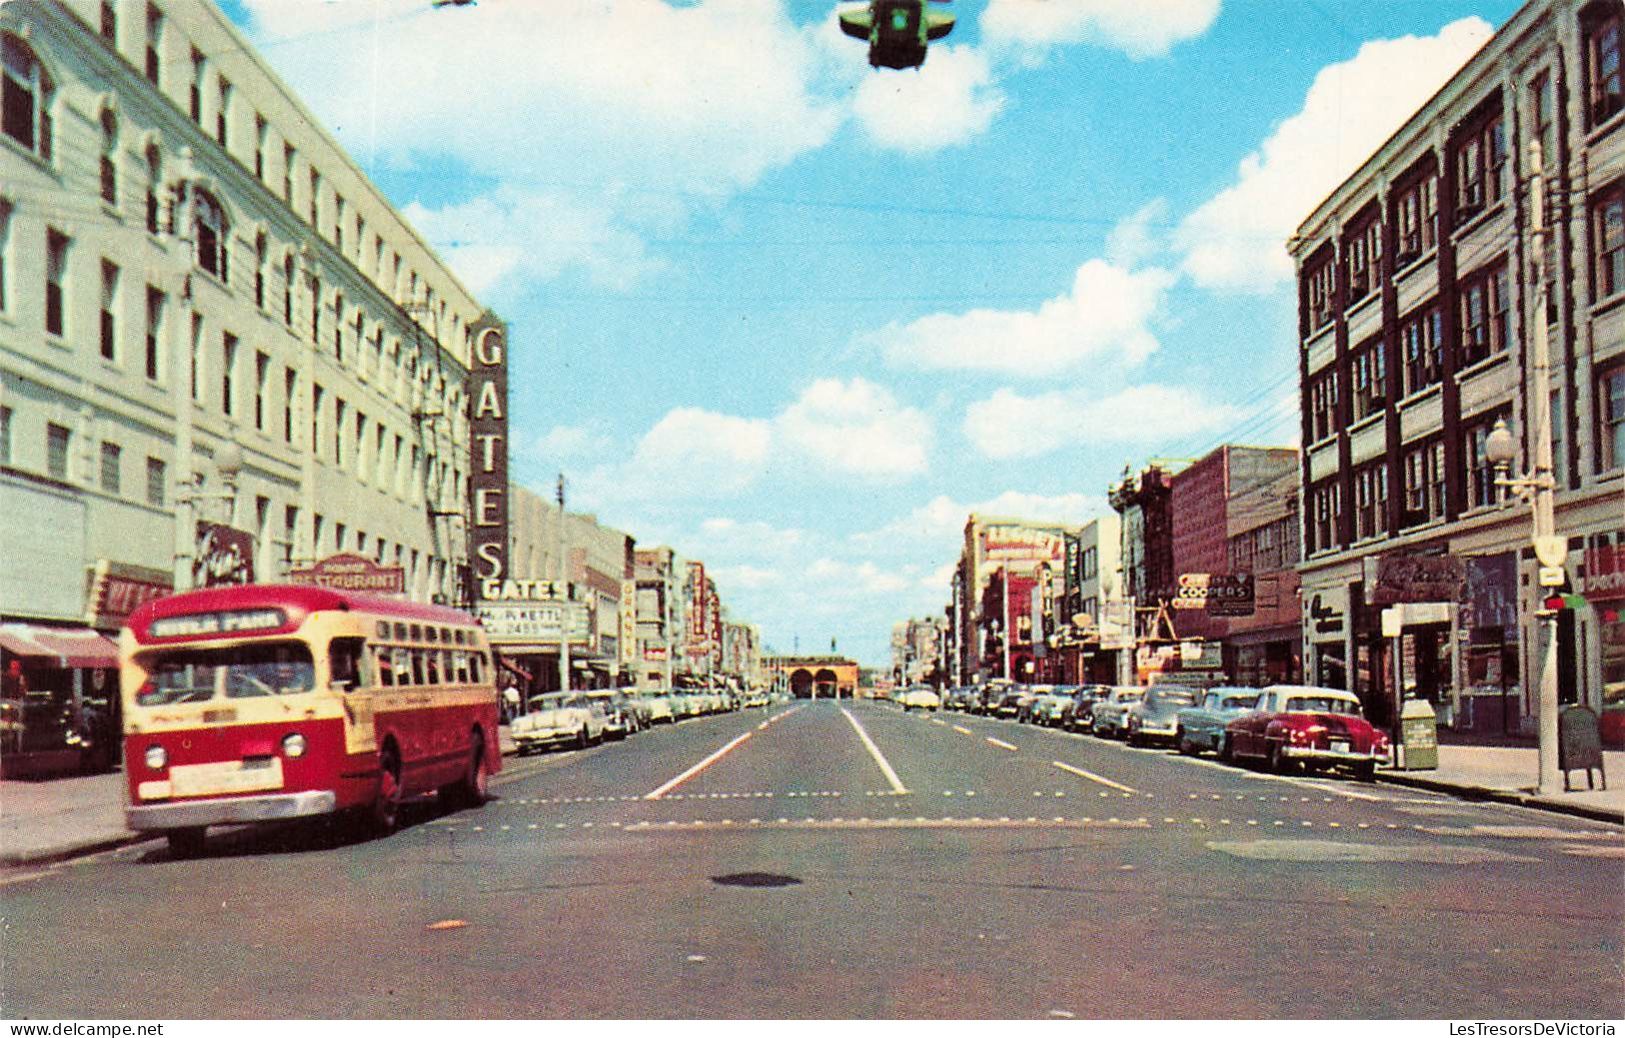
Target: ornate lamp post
x=190 y=496
x=1538 y=485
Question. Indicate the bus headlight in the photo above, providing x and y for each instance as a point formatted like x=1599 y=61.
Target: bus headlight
x=293 y=746
x=157 y=758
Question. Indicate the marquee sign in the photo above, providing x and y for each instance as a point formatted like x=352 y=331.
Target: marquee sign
x=117 y=590
x=1023 y=544
x=488 y=450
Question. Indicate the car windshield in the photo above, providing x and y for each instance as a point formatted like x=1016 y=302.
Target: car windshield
x=1171 y=697
x=1323 y=705
x=1128 y=696
x=555 y=701
x=1237 y=702
x=240 y=672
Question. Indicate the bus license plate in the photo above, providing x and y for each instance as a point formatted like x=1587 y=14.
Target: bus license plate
x=192 y=780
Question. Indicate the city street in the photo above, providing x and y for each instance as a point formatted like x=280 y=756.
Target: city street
x=823 y=859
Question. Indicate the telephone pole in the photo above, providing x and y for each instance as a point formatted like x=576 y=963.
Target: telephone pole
x=563 y=591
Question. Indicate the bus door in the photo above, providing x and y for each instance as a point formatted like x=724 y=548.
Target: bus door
x=354 y=674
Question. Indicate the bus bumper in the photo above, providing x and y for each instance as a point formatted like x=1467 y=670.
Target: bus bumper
x=224 y=810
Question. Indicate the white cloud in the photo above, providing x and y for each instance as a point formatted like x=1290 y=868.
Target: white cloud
x=1138 y=237
x=1010 y=425
x=567 y=442
x=937 y=527
x=702 y=450
x=860 y=578
x=1106 y=315
x=1135 y=27
x=856 y=427
x=1236 y=240
x=947 y=101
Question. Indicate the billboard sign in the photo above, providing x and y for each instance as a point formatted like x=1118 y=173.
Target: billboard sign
x=1011 y=543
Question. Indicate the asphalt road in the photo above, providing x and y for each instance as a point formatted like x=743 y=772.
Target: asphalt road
x=850 y=861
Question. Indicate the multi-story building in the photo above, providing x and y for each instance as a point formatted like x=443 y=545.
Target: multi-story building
x=1418 y=309
x=1010 y=577
x=741 y=655
x=595 y=602
x=1086 y=634
x=1143 y=502
x=916 y=650
x=207 y=313
x=659 y=617
x=1264 y=646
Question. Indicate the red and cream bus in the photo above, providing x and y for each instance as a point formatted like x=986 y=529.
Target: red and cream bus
x=266 y=702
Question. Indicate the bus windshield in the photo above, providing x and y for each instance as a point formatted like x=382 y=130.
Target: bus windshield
x=240 y=672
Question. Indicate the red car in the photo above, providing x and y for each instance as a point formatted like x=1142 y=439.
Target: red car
x=1318 y=728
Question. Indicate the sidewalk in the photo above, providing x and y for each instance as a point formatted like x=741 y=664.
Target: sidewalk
x=54 y=819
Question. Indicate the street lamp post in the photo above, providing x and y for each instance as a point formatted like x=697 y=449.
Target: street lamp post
x=190 y=495
x=1538 y=486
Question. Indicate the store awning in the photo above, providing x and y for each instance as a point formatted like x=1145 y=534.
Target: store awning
x=62 y=646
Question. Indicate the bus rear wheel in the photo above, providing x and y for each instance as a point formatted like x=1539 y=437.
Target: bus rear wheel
x=473 y=789
x=186 y=843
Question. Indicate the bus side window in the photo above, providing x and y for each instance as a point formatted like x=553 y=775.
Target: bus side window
x=479 y=668
x=417 y=666
x=344 y=663
x=462 y=667
x=384 y=665
x=434 y=666
x=403 y=667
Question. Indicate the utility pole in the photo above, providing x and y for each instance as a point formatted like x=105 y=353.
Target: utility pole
x=563 y=591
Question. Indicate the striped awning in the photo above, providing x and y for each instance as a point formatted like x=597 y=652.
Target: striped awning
x=62 y=646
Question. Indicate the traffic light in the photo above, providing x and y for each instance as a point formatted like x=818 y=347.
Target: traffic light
x=897 y=30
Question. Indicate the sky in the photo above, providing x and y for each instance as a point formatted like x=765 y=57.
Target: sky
x=798 y=317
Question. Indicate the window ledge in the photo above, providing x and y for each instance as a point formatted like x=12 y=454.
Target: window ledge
x=1324 y=441
x=1373 y=295
x=1371 y=419
x=1402 y=273
x=1478 y=367
x=1477 y=223
x=59 y=341
x=1606 y=127
x=16 y=148
x=1420 y=395
x=1608 y=304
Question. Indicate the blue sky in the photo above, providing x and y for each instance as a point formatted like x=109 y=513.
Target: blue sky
x=797 y=317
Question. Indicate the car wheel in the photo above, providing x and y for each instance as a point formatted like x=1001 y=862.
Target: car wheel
x=473 y=789
x=1186 y=747
x=581 y=738
x=1227 y=752
x=186 y=843
x=1366 y=771
x=1279 y=762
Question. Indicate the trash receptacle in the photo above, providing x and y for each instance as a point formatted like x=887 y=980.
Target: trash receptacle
x=1418 y=737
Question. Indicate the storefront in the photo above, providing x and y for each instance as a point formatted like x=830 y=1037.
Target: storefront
x=59 y=704
x=1604 y=591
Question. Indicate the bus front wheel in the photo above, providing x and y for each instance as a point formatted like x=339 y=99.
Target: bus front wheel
x=386 y=809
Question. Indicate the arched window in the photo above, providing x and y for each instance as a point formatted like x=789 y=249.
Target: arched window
x=109 y=157
x=209 y=230
x=25 y=97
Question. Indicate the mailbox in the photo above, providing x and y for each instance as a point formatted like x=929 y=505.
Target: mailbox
x=1418 y=736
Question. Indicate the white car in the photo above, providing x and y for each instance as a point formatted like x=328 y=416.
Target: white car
x=920 y=699
x=559 y=719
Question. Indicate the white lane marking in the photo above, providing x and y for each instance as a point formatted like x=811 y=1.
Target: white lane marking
x=962 y=730
x=874 y=751
x=1001 y=743
x=1092 y=777
x=695 y=770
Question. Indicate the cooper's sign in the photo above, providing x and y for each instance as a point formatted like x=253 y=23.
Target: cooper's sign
x=488 y=450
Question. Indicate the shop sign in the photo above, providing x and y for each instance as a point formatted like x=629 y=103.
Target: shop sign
x=1022 y=544
x=347 y=571
x=655 y=653
x=535 y=622
x=629 y=619
x=1605 y=573
x=117 y=590
x=520 y=590
x=488 y=449
x=1221 y=594
x=1418 y=578
x=225 y=555
x=1326 y=611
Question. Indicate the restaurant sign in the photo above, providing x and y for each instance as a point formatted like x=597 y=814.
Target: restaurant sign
x=539 y=622
x=1605 y=573
x=350 y=572
x=117 y=590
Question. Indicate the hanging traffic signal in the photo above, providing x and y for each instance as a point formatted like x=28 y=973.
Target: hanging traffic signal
x=897 y=30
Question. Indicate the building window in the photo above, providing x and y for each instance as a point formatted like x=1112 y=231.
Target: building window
x=287 y=174
x=1323 y=405
x=315 y=191
x=316 y=419
x=109 y=23
x=197 y=358
x=1362 y=258
x=5 y=254
x=262 y=368
x=209 y=227
x=1418 y=219
x=338 y=431
x=196 y=101
x=1421 y=338
x=260 y=135
x=338 y=326
x=25 y=97
x=109 y=310
x=1326 y=502
x=56 y=275
x=1370 y=368
x=1370 y=500
x=228 y=372
x=5 y=436
x=1543 y=118
x=155 y=30
x=111 y=456
x=261 y=258
x=155 y=326
x=1424 y=483
x=156 y=479
x=1604 y=86
x=223 y=113
x=1611 y=415
x=1481 y=489
x=315 y=310
x=109 y=158
x=287 y=290
x=154 y=182
x=1608 y=227
x=1480 y=169
x=1321 y=280
x=290 y=527
x=1486 y=320
x=290 y=387
x=361 y=445
x=338 y=223
x=56 y=450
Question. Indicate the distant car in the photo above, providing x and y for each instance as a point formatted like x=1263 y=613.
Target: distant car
x=1109 y=714
x=1318 y=728
x=1155 y=717
x=1030 y=702
x=1081 y=718
x=1201 y=726
x=660 y=711
x=919 y=699
x=1009 y=702
x=989 y=695
x=559 y=719
x=620 y=716
x=1050 y=709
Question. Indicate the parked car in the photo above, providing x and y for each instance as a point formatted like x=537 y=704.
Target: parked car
x=1201 y=726
x=1029 y=704
x=620 y=720
x=559 y=719
x=1109 y=712
x=1155 y=717
x=959 y=698
x=1082 y=716
x=1318 y=728
x=989 y=695
x=1009 y=703
x=660 y=709
x=919 y=699
x=1051 y=709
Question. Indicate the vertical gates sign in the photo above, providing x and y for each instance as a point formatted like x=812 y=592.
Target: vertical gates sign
x=488 y=432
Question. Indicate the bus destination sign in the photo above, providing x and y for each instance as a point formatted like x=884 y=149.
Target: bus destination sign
x=234 y=622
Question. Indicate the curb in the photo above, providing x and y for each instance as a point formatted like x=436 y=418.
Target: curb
x=69 y=851
x=1518 y=798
